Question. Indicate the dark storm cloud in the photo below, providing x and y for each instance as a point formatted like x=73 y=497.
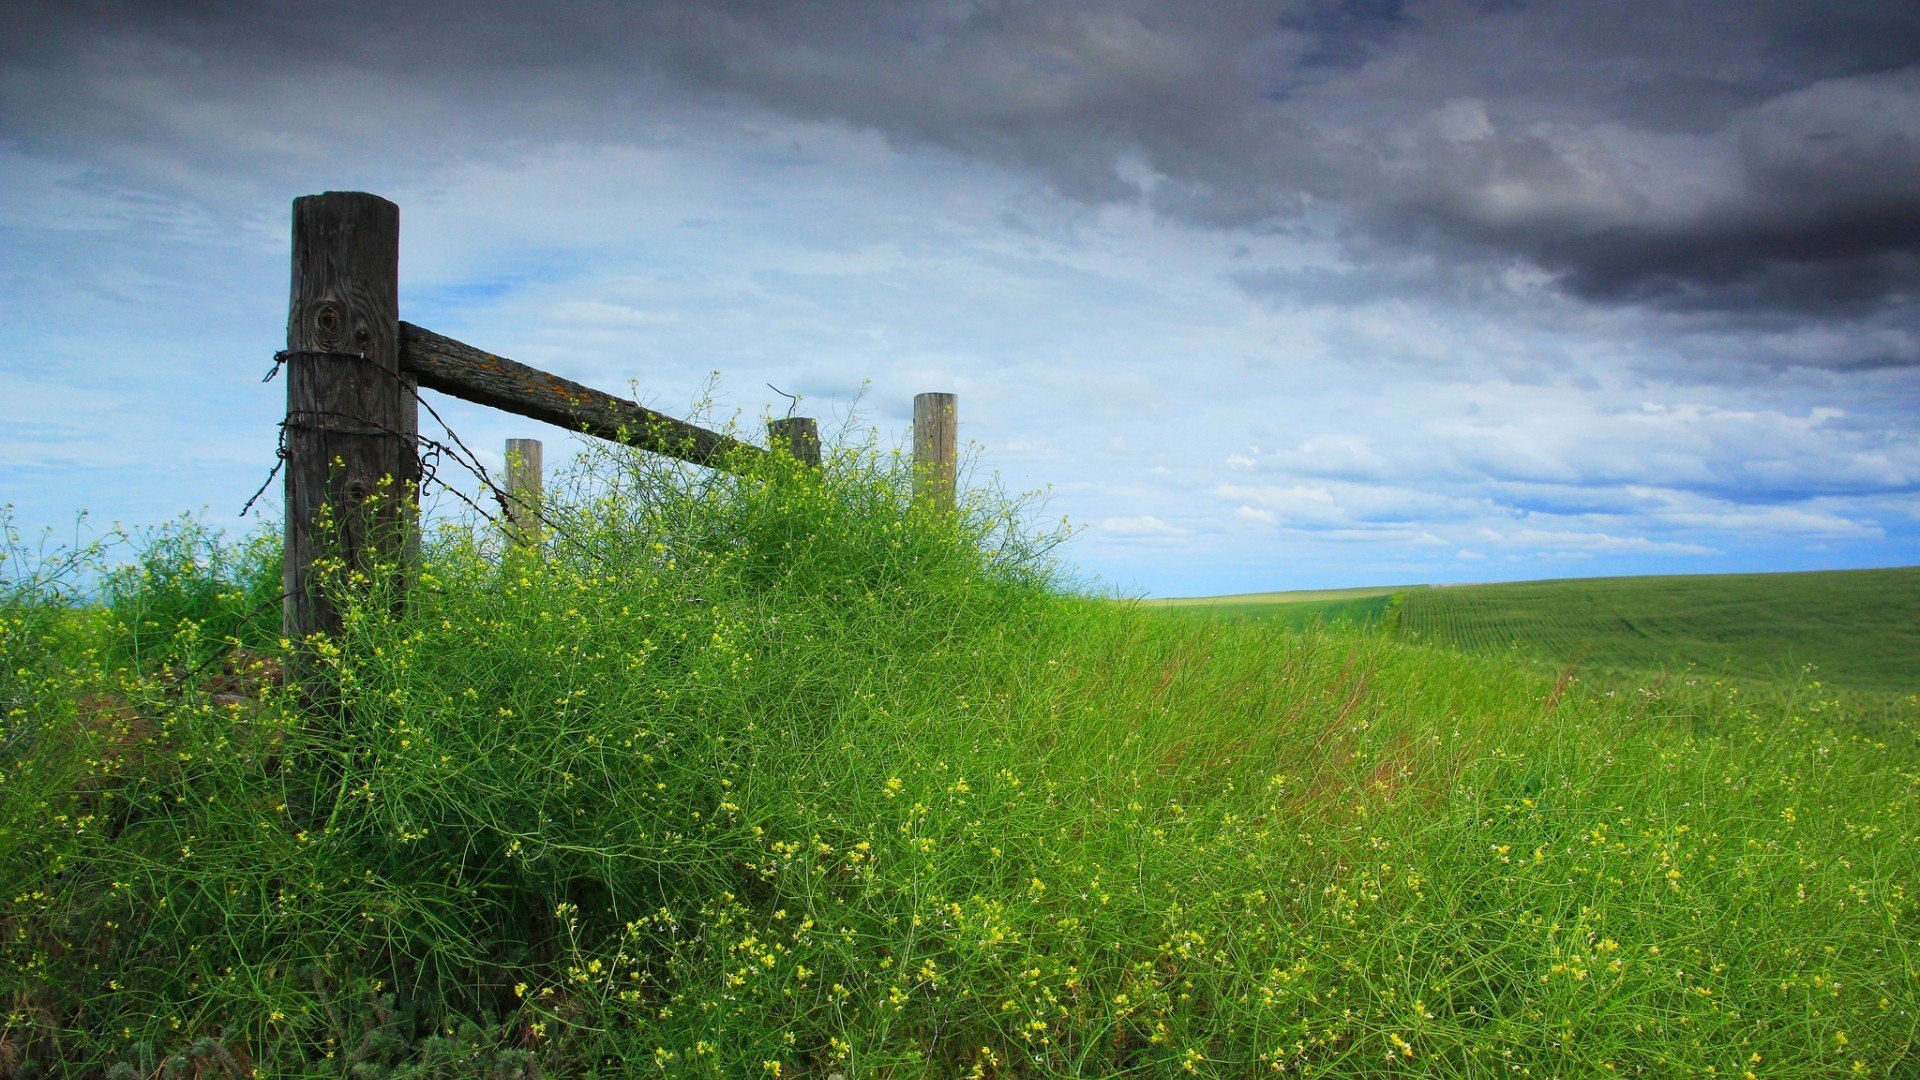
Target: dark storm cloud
x=1344 y=34
x=1816 y=208
x=1699 y=157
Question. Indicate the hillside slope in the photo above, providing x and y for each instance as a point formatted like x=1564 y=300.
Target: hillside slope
x=1854 y=629
x=789 y=777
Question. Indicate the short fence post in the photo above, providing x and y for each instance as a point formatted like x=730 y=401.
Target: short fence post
x=352 y=417
x=525 y=491
x=936 y=429
x=797 y=435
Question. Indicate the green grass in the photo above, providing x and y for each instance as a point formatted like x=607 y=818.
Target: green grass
x=1304 y=610
x=1300 y=596
x=784 y=776
x=1857 y=630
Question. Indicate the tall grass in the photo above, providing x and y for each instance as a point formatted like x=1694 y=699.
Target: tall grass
x=189 y=593
x=787 y=775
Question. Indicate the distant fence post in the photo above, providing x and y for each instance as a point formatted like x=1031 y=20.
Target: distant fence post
x=936 y=428
x=797 y=435
x=352 y=417
x=525 y=491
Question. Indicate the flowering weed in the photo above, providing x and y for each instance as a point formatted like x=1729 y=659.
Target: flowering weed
x=782 y=775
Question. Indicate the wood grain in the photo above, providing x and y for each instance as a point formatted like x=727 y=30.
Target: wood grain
x=797 y=435
x=525 y=490
x=454 y=367
x=351 y=413
x=936 y=454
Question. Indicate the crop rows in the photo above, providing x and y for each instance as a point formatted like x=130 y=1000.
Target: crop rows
x=1850 y=628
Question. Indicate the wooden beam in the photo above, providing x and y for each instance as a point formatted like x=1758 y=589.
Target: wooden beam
x=525 y=490
x=454 y=367
x=797 y=435
x=936 y=454
x=351 y=413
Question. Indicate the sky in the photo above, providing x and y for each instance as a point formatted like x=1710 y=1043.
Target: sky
x=1303 y=294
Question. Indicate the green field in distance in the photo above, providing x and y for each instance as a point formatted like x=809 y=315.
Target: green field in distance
x=1859 y=629
x=1298 y=610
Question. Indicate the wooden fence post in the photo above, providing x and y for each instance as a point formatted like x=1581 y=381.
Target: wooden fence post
x=936 y=430
x=525 y=491
x=799 y=436
x=352 y=417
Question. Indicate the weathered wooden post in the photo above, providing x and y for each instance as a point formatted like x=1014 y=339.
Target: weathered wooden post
x=525 y=491
x=352 y=417
x=936 y=434
x=797 y=435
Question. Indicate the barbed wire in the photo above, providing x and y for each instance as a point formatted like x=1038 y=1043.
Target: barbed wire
x=280 y=359
x=430 y=453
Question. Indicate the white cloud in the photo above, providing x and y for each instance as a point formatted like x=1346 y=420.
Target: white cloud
x=1347 y=505
x=1463 y=119
x=1680 y=510
x=1313 y=404
x=1584 y=541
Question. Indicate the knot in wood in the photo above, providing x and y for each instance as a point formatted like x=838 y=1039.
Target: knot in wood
x=326 y=324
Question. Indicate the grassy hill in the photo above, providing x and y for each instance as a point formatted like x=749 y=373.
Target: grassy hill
x=1297 y=610
x=1855 y=629
x=786 y=776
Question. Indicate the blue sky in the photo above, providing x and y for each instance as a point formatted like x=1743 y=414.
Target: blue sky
x=1266 y=295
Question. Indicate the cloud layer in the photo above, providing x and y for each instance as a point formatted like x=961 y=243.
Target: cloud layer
x=1693 y=156
x=1410 y=289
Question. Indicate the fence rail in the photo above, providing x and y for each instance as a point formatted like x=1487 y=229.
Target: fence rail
x=352 y=424
x=460 y=370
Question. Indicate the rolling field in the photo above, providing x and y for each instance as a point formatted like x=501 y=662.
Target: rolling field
x=1858 y=629
x=889 y=802
x=1297 y=610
